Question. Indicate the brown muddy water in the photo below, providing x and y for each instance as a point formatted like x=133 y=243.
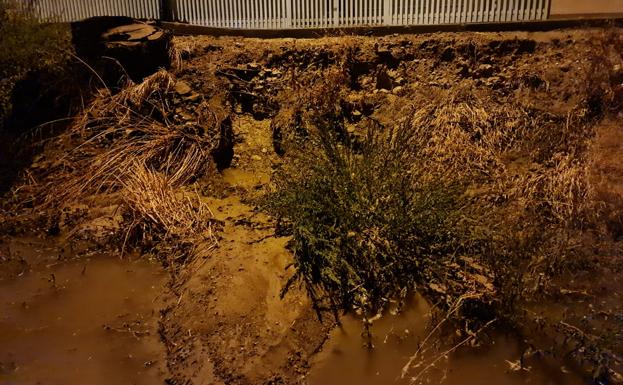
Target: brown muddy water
x=87 y=320
x=344 y=359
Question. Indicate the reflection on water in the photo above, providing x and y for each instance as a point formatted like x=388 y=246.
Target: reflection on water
x=345 y=361
x=88 y=322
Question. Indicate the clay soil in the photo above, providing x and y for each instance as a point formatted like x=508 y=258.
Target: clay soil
x=223 y=320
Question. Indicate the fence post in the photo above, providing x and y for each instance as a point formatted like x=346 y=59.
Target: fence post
x=387 y=12
x=167 y=10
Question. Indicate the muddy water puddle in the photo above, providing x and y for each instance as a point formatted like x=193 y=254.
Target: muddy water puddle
x=344 y=359
x=89 y=320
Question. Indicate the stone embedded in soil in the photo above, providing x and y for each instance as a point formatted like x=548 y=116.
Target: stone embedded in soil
x=398 y=90
x=193 y=97
x=182 y=88
x=485 y=70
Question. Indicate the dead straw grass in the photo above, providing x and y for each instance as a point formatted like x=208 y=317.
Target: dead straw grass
x=134 y=126
x=158 y=211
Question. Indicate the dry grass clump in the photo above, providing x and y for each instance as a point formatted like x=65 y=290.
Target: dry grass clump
x=309 y=107
x=141 y=144
x=137 y=124
x=157 y=214
x=181 y=49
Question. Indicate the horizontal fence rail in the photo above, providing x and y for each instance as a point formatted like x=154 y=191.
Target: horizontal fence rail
x=287 y=14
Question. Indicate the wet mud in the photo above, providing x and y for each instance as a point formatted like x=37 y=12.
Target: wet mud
x=344 y=359
x=91 y=320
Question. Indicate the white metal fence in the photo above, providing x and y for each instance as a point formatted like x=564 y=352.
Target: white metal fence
x=284 y=14
x=280 y=14
x=71 y=10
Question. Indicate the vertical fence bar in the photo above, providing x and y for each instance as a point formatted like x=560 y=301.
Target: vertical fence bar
x=482 y=10
x=440 y=12
x=533 y=9
x=437 y=11
x=213 y=11
x=211 y=14
x=316 y=13
x=193 y=11
x=269 y=9
x=397 y=19
x=288 y=13
x=459 y=11
x=470 y=17
x=220 y=13
x=236 y=13
x=313 y=12
x=325 y=13
x=253 y=14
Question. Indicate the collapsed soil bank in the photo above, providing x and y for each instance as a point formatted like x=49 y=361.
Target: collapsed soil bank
x=224 y=321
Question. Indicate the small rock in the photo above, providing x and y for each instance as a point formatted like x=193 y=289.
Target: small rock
x=192 y=97
x=182 y=88
x=398 y=90
x=485 y=70
x=186 y=116
x=565 y=67
x=256 y=157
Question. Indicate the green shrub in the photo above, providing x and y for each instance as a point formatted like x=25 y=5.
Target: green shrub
x=367 y=223
x=26 y=45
